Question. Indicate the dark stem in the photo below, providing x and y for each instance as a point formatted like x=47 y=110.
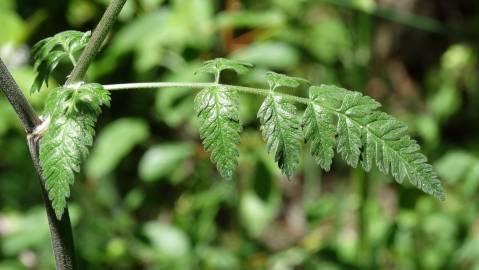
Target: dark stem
x=60 y=230
x=97 y=38
x=19 y=103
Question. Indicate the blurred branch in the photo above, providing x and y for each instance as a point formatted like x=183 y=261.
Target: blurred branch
x=97 y=38
x=60 y=230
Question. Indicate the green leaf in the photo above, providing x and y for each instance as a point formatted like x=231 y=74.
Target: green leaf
x=260 y=200
x=169 y=243
x=163 y=159
x=48 y=53
x=320 y=132
x=264 y=19
x=276 y=80
x=72 y=113
x=362 y=132
x=281 y=130
x=174 y=107
x=269 y=54
x=124 y=134
x=455 y=165
x=217 y=65
x=217 y=109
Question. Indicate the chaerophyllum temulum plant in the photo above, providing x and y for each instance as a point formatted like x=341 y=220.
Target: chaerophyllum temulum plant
x=335 y=120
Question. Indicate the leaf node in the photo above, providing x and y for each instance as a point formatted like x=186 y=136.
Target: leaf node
x=72 y=112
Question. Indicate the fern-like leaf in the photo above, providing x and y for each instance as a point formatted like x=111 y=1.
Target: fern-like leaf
x=362 y=132
x=217 y=109
x=72 y=113
x=320 y=132
x=48 y=53
x=281 y=130
x=276 y=80
x=215 y=66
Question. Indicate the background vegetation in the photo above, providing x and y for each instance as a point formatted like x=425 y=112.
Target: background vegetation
x=149 y=198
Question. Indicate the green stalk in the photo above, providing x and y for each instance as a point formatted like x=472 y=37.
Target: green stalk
x=193 y=85
x=97 y=38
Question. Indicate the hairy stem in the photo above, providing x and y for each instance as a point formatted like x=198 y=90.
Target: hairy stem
x=97 y=38
x=193 y=85
x=60 y=230
x=19 y=103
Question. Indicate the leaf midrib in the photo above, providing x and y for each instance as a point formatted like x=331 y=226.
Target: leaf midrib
x=218 y=117
x=281 y=128
x=368 y=130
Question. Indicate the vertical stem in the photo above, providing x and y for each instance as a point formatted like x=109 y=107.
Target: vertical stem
x=97 y=38
x=217 y=77
x=60 y=230
x=19 y=103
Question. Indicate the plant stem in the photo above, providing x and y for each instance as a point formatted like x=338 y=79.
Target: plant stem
x=60 y=230
x=193 y=85
x=97 y=38
x=155 y=85
x=19 y=103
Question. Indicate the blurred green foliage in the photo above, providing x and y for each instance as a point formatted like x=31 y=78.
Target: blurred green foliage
x=149 y=197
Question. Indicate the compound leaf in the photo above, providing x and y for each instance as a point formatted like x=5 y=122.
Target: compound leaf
x=362 y=132
x=72 y=113
x=217 y=109
x=48 y=53
x=281 y=130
